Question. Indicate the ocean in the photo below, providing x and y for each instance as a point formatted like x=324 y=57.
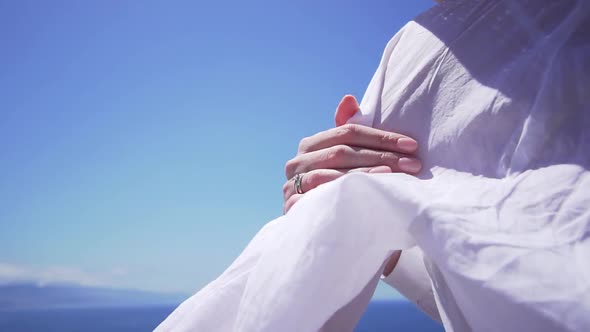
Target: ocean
x=381 y=316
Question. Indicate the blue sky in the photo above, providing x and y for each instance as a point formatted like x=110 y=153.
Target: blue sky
x=143 y=142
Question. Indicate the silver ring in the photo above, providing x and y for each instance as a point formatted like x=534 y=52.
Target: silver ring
x=297 y=183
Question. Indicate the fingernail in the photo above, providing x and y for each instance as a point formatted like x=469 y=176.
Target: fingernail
x=407 y=144
x=380 y=169
x=409 y=165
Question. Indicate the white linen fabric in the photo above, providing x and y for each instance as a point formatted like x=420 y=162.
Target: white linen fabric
x=410 y=277
x=498 y=95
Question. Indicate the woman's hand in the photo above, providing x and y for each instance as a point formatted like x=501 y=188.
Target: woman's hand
x=347 y=148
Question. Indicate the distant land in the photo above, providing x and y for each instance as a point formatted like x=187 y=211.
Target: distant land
x=30 y=296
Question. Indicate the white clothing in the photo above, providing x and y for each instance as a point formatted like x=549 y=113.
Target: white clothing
x=498 y=95
x=410 y=277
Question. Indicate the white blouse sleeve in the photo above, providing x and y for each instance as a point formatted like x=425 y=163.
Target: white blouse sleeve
x=411 y=279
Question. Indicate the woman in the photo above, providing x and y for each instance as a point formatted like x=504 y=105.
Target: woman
x=349 y=148
x=496 y=92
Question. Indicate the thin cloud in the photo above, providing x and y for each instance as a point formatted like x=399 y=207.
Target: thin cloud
x=11 y=273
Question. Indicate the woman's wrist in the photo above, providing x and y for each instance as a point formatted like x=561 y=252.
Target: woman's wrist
x=392 y=262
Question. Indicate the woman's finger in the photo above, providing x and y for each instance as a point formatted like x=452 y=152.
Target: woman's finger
x=346 y=109
x=313 y=179
x=347 y=157
x=360 y=136
x=310 y=180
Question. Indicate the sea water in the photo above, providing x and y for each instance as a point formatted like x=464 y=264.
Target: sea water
x=381 y=316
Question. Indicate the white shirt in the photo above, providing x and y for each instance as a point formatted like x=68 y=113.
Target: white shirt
x=410 y=277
